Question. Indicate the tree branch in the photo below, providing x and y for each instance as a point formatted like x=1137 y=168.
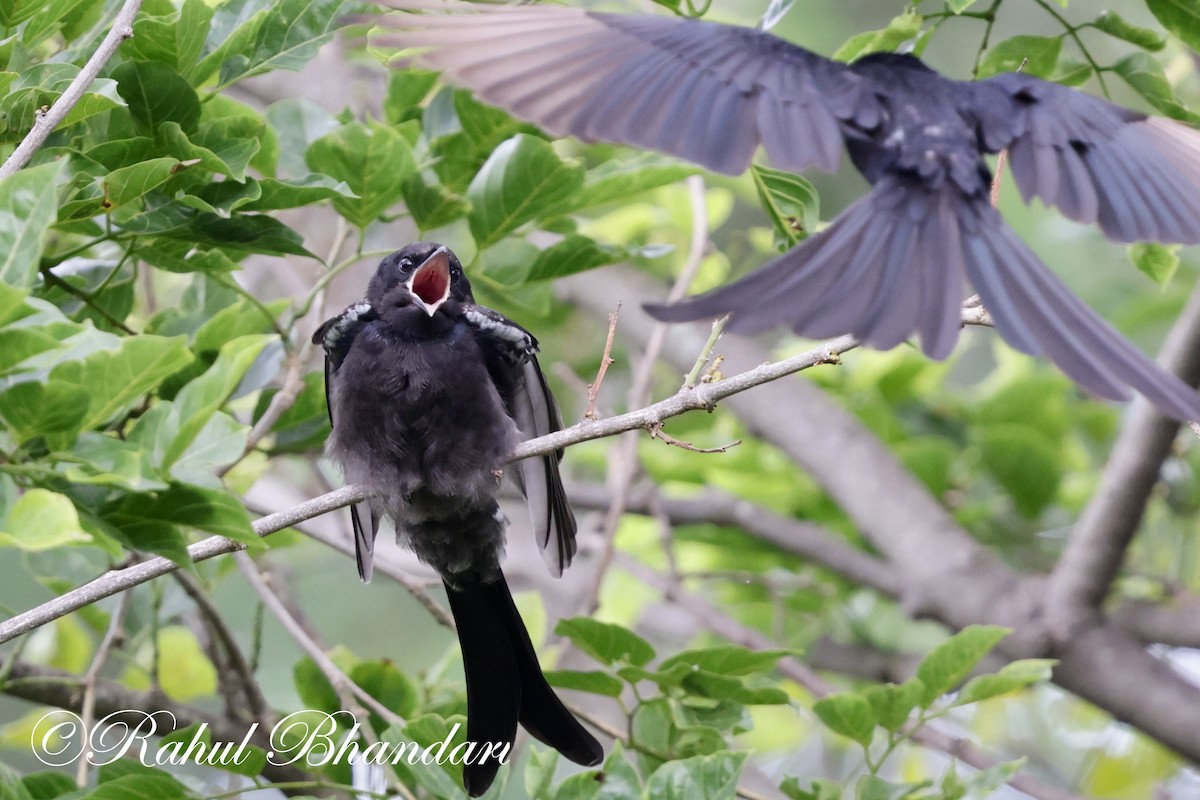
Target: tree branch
x=44 y=124
x=1096 y=548
x=804 y=539
x=734 y=631
x=52 y=687
x=947 y=574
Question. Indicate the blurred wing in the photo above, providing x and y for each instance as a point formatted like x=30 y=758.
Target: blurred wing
x=706 y=92
x=1038 y=314
x=1138 y=177
x=887 y=267
x=510 y=353
x=336 y=336
x=893 y=264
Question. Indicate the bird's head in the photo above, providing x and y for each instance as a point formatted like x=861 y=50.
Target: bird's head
x=429 y=271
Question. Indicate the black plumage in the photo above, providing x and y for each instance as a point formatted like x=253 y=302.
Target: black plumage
x=428 y=394
x=895 y=263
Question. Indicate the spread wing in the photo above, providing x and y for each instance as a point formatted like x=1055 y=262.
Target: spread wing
x=510 y=352
x=706 y=92
x=336 y=335
x=1138 y=177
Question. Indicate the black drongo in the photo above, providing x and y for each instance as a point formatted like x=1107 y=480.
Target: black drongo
x=428 y=394
x=896 y=262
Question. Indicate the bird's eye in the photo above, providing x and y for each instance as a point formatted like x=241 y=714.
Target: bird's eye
x=405 y=263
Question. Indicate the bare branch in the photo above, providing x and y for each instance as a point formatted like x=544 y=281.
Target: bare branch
x=412 y=586
x=44 y=124
x=51 y=687
x=87 y=714
x=351 y=694
x=805 y=539
x=249 y=687
x=1096 y=548
x=656 y=432
x=729 y=628
x=606 y=361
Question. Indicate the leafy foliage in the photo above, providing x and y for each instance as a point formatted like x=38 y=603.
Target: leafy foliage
x=144 y=389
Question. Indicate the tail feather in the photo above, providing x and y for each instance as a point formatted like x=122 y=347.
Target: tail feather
x=505 y=684
x=894 y=264
x=868 y=274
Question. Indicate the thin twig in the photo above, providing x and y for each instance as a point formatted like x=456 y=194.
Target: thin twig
x=606 y=361
x=44 y=124
x=87 y=299
x=623 y=462
x=656 y=432
x=112 y=637
x=259 y=709
x=718 y=328
x=353 y=696
x=703 y=396
x=410 y=585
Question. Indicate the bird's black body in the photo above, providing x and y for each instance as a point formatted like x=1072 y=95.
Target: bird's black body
x=428 y=395
x=896 y=262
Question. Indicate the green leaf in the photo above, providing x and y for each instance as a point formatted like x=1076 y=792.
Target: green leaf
x=523 y=180
x=184 y=671
x=959 y=6
x=373 y=160
x=42 y=520
x=575 y=253
x=897 y=32
x=819 y=789
x=1012 y=677
x=1033 y=55
x=619 y=780
x=142 y=518
x=606 y=642
x=156 y=93
x=303 y=191
x=1180 y=17
x=948 y=664
x=848 y=714
x=388 y=685
x=41 y=409
x=1024 y=463
x=790 y=200
x=720 y=687
x=315 y=690
x=594 y=682
x=731 y=660
x=539 y=773
x=201 y=398
x=1146 y=77
x=159 y=787
x=712 y=777
x=432 y=206
x=18 y=345
x=406 y=90
x=892 y=704
x=1114 y=25
x=287 y=37
x=613 y=181
x=115 y=378
x=103 y=460
x=47 y=785
x=224 y=155
x=28 y=207
x=219 y=443
x=872 y=787
x=1158 y=261
x=129 y=183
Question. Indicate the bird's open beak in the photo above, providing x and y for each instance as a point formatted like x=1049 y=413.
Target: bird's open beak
x=430 y=284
